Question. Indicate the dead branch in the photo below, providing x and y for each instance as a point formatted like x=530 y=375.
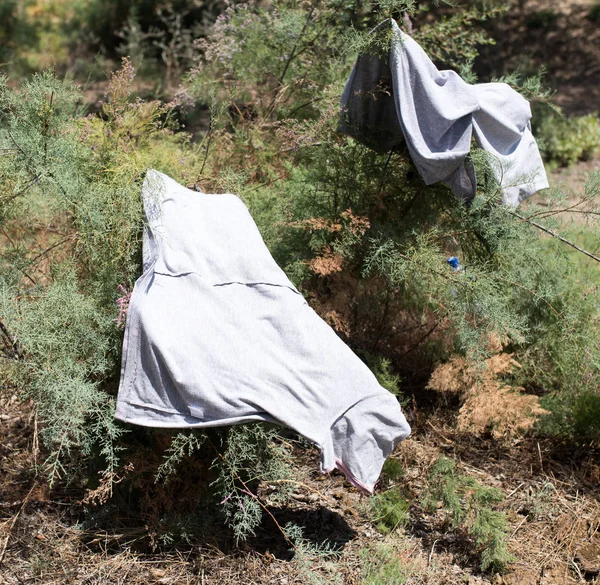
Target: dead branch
x=23 y=190
x=556 y=235
x=13 y=522
x=15 y=351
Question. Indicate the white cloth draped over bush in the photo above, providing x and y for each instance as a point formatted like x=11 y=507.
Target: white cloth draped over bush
x=405 y=98
x=217 y=334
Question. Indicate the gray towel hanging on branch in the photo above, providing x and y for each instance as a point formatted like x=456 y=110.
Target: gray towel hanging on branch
x=403 y=97
x=216 y=334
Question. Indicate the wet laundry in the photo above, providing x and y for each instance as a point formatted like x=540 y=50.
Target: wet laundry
x=216 y=334
x=403 y=97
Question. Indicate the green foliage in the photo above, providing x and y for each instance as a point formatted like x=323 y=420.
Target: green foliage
x=101 y=20
x=564 y=362
x=71 y=221
x=13 y=30
x=85 y=37
x=532 y=88
x=239 y=59
x=544 y=18
x=310 y=46
x=67 y=341
x=248 y=454
x=382 y=566
x=575 y=413
x=594 y=14
x=382 y=369
x=358 y=231
x=390 y=510
x=393 y=470
x=470 y=507
x=566 y=140
x=315 y=564
x=455 y=40
x=65 y=334
x=183 y=445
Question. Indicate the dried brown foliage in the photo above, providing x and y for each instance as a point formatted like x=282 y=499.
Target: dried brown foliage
x=488 y=403
x=357 y=224
x=317 y=223
x=336 y=304
x=327 y=263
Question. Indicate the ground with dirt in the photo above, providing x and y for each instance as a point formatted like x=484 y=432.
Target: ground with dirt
x=562 y=37
x=550 y=500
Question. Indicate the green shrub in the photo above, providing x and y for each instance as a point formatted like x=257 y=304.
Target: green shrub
x=393 y=470
x=86 y=37
x=357 y=231
x=544 y=19
x=594 y=13
x=14 y=31
x=566 y=140
x=382 y=368
x=314 y=563
x=390 y=510
x=563 y=365
x=74 y=183
x=470 y=506
x=382 y=565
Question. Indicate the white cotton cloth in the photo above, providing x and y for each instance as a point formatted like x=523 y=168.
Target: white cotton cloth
x=216 y=334
x=405 y=98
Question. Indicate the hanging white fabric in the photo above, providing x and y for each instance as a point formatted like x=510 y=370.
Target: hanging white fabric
x=217 y=334
x=403 y=97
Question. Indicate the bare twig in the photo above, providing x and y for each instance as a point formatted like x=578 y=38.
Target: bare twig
x=299 y=483
x=23 y=190
x=13 y=522
x=267 y=183
x=384 y=173
x=384 y=317
x=247 y=491
x=515 y=490
x=435 y=326
x=517 y=528
x=304 y=105
x=572 y=209
x=36 y=445
x=49 y=249
x=19 y=148
x=208 y=137
x=431 y=553
x=16 y=353
x=293 y=53
x=439 y=433
x=532 y=292
x=556 y=235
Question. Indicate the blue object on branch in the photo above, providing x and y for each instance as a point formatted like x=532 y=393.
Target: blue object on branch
x=454 y=263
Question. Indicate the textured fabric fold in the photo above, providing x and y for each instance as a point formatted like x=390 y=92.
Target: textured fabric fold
x=216 y=334
x=438 y=114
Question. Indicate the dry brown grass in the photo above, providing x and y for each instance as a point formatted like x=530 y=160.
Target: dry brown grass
x=551 y=505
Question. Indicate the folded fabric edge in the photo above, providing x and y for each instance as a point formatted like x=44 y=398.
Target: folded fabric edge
x=350 y=477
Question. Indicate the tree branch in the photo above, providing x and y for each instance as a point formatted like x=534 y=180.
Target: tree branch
x=557 y=236
x=16 y=353
x=49 y=249
x=23 y=190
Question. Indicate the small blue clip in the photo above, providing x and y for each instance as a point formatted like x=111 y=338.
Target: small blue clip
x=454 y=262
